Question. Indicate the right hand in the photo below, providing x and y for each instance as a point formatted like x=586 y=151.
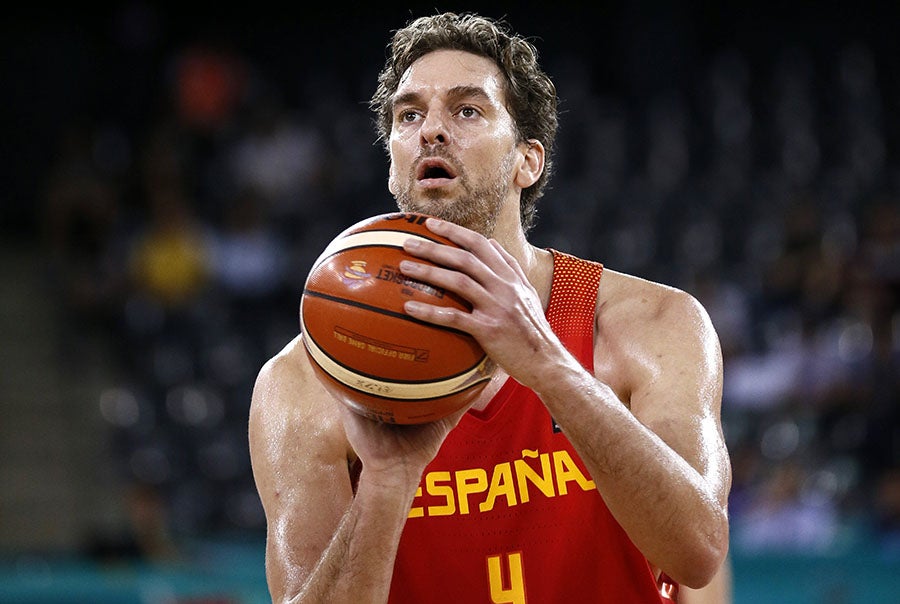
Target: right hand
x=397 y=454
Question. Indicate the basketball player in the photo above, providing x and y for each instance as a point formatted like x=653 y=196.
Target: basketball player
x=591 y=469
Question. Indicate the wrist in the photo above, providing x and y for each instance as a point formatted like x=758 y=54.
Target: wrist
x=558 y=377
x=398 y=483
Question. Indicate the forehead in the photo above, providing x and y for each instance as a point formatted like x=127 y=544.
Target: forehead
x=442 y=70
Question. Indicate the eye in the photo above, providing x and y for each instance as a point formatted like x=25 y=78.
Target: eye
x=407 y=115
x=468 y=111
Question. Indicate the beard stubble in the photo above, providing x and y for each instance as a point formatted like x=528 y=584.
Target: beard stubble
x=476 y=208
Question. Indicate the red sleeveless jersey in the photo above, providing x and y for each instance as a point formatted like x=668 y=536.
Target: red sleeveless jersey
x=507 y=512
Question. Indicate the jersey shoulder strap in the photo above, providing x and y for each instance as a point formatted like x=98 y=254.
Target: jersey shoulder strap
x=573 y=301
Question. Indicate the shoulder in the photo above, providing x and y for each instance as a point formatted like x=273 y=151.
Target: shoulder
x=636 y=301
x=287 y=373
x=643 y=328
x=288 y=402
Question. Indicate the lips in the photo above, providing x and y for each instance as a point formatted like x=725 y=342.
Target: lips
x=434 y=169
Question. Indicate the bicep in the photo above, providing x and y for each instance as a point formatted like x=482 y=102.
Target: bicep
x=679 y=392
x=301 y=474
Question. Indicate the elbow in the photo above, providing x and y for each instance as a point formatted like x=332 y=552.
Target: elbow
x=698 y=568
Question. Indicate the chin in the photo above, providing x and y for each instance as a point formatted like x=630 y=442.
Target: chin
x=433 y=206
x=451 y=209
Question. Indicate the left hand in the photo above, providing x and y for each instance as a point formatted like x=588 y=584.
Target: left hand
x=507 y=317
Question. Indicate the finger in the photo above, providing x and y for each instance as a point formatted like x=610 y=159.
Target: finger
x=446 y=256
x=467 y=239
x=489 y=251
x=459 y=235
x=460 y=283
x=475 y=256
x=439 y=315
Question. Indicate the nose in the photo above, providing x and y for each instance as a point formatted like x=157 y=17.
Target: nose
x=434 y=128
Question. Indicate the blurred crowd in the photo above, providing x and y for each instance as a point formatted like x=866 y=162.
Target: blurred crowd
x=768 y=188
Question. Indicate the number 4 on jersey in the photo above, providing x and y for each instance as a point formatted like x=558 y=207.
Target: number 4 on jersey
x=512 y=590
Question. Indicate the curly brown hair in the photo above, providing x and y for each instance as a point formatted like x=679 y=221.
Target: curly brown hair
x=531 y=95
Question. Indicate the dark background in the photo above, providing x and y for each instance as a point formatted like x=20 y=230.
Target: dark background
x=744 y=152
x=107 y=62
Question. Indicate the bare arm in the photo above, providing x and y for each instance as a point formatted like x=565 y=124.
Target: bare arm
x=718 y=591
x=326 y=543
x=661 y=463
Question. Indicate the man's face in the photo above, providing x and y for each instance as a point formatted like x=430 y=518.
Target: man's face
x=453 y=143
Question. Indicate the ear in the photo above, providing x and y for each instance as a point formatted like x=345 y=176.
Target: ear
x=532 y=166
x=392 y=179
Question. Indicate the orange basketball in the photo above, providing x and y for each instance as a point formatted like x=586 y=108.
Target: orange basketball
x=370 y=354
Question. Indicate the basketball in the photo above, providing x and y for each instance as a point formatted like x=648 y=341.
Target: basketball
x=367 y=352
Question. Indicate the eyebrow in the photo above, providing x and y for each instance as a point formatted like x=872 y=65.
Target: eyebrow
x=455 y=93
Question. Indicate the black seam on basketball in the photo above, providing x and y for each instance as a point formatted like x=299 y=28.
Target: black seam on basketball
x=383 y=311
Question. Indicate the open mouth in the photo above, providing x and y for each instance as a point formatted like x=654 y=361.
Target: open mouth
x=434 y=169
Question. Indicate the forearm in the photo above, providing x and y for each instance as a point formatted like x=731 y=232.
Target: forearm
x=357 y=565
x=667 y=507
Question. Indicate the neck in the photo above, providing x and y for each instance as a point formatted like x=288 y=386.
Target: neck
x=535 y=262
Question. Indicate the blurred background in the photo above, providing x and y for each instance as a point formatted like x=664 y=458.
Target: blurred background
x=170 y=172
